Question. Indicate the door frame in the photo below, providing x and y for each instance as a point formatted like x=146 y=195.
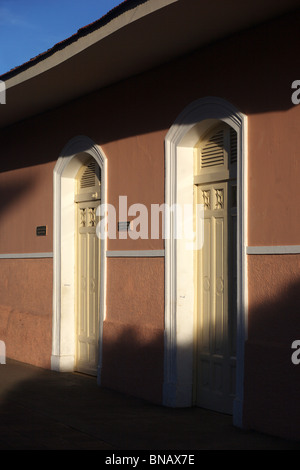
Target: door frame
x=73 y=155
x=180 y=141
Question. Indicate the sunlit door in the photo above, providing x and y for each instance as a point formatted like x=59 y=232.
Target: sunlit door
x=88 y=273
x=216 y=288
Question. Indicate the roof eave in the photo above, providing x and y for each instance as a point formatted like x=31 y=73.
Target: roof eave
x=141 y=37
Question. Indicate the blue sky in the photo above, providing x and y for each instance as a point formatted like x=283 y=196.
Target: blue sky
x=29 y=27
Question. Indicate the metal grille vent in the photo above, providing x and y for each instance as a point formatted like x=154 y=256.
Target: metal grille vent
x=212 y=153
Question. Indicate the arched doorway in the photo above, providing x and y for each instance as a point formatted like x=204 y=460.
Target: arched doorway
x=73 y=159
x=180 y=274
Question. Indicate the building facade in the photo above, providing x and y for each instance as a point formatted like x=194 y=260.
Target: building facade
x=148 y=231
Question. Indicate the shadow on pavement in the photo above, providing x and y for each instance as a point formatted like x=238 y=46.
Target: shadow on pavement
x=42 y=409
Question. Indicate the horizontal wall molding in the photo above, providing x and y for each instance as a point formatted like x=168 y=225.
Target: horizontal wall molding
x=109 y=254
x=135 y=254
x=250 y=250
x=273 y=250
x=25 y=255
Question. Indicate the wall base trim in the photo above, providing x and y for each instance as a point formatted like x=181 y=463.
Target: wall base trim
x=62 y=363
x=177 y=395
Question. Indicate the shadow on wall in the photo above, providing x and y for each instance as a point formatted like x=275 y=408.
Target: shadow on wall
x=261 y=85
x=272 y=380
x=12 y=191
x=133 y=360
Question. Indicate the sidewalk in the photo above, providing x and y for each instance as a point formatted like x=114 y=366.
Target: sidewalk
x=42 y=409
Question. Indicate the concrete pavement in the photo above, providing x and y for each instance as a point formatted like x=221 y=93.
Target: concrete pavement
x=46 y=410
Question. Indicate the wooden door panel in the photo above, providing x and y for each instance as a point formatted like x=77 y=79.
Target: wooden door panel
x=215 y=363
x=88 y=288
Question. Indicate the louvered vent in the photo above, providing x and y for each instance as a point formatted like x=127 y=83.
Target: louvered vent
x=233 y=146
x=212 y=153
x=88 y=178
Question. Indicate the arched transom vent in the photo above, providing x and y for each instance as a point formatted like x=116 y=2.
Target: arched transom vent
x=88 y=181
x=216 y=154
x=212 y=153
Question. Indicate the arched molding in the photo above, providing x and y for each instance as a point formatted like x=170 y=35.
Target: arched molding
x=186 y=131
x=73 y=155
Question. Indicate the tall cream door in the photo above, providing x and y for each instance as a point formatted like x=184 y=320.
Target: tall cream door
x=216 y=281
x=87 y=270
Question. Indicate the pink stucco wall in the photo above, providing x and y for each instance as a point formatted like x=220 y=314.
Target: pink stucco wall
x=134 y=327
x=26 y=309
x=272 y=384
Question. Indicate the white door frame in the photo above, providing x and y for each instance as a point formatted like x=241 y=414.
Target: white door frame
x=186 y=131
x=74 y=154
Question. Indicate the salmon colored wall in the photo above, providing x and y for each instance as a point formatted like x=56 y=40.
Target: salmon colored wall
x=25 y=203
x=134 y=327
x=274 y=169
x=272 y=386
x=26 y=309
x=136 y=170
